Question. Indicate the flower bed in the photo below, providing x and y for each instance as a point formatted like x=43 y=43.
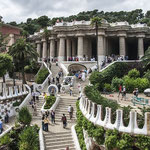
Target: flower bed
x=50 y=100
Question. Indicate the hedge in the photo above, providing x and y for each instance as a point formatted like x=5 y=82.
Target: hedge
x=41 y=76
x=50 y=100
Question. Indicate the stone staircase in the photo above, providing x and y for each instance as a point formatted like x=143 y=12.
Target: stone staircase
x=38 y=106
x=55 y=69
x=59 y=138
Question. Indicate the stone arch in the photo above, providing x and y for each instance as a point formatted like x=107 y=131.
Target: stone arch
x=73 y=68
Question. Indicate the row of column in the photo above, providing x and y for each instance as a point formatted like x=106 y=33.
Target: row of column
x=101 y=46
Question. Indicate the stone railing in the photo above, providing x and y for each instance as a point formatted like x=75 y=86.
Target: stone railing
x=13 y=91
x=41 y=140
x=65 y=70
x=93 y=113
x=7 y=104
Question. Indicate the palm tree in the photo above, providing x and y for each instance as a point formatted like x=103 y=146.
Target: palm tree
x=146 y=58
x=96 y=21
x=22 y=51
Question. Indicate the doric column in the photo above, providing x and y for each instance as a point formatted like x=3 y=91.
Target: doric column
x=80 y=47
x=140 y=45
x=73 y=48
x=52 y=48
x=12 y=39
x=44 y=48
x=61 y=54
x=68 y=48
x=100 y=49
x=122 y=46
x=38 y=49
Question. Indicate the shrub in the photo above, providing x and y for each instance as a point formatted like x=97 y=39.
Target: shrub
x=50 y=100
x=143 y=142
x=100 y=78
x=147 y=74
x=131 y=84
x=107 y=87
x=41 y=76
x=116 y=82
x=134 y=73
x=5 y=140
x=29 y=139
x=24 y=116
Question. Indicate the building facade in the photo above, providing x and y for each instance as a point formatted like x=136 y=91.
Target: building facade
x=78 y=39
x=11 y=33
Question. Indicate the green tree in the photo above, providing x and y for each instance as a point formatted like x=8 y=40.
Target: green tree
x=22 y=51
x=96 y=21
x=5 y=64
x=146 y=58
x=24 y=116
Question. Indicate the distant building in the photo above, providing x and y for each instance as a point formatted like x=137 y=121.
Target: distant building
x=11 y=33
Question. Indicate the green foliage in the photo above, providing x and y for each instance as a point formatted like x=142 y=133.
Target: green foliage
x=29 y=139
x=50 y=100
x=5 y=140
x=116 y=82
x=115 y=70
x=5 y=63
x=146 y=58
x=125 y=142
x=143 y=142
x=33 y=67
x=107 y=87
x=147 y=75
x=131 y=84
x=111 y=139
x=41 y=76
x=24 y=116
x=134 y=73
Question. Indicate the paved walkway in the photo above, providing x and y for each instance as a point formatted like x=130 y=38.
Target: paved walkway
x=114 y=96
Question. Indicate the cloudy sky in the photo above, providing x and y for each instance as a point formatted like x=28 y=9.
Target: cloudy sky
x=20 y=10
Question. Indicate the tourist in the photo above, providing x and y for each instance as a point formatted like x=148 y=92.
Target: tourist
x=83 y=76
x=1 y=126
x=49 y=81
x=56 y=63
x=43 y=127
x=64 y=121
x=46 y=122
x=136 y=92
x=35 y=109
x=70 y=110
x=53 y=80
x=67 y=148
x=52 y=116
x=33 y=96
x=47 y=113
x=120 y=90
x=44 y=95
x=70 y=91
x=79 y=87
x=59 y=87
x=6 y=117
x=123 y=93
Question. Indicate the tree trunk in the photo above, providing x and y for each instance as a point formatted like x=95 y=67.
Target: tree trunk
x=23 y=76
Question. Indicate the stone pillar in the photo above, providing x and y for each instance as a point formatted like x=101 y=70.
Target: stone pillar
x=80 y=47
x=61 y=53
x=122 y=46
x=12 y=39
x=52 y=48
x=44 y=48
x=68 y=48
x=140 y=47
x=100 y=50
x=38 y=49
x=73 y=48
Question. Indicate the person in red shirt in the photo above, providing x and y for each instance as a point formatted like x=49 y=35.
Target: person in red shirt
x=120 y=90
